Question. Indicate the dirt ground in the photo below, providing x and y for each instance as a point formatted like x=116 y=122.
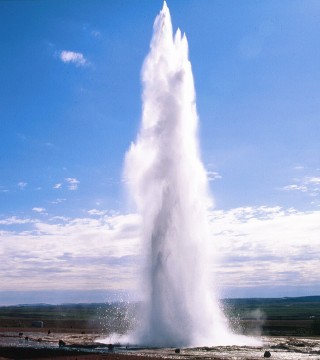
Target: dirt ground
x=13 y=345
x=83 y=345
x=79 y=357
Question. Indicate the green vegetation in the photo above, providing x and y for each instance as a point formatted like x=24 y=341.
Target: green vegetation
x=300 y=308
x=96 y=317
x=316 y=326
x=51 y=312
x=282 y=316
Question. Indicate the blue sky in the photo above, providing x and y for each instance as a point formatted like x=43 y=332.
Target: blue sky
x=70 y=104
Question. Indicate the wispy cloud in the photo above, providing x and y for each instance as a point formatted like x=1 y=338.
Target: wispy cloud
x=308 y=184
x=14 y=220
x=96 y=212
x=57 y=186
x=73 y=57
x=34 y=142
x=293 y=187
x=95 y=33
x=39 y=210
x=58 y=201
x=22 y=185
x=213 y=175
x=313 y=180
x=72 y=183
x=298 y=167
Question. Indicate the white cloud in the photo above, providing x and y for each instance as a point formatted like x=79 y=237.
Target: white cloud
x=57 y=186
x=302 y=188
x=58 y=201
x=39 y=209
x=313 y=180
x=308 y=184
x=72 y=183
x=213 y=175
x=73 y=57
x=14 y=220
x=70 y=253
x=266 y=246
x=22 y=185
x=249 y=247
x=96 y=212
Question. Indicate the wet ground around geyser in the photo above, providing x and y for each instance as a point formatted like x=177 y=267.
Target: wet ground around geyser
x=40 y=344
x=279 y=348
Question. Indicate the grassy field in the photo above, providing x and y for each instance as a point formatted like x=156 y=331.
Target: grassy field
x=102 y=318
x=279 y=316
x=300 y=308
x=283 y=316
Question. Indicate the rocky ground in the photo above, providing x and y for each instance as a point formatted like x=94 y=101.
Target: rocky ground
x=31 y=344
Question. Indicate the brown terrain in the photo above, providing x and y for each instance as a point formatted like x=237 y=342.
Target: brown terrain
x=80 y=326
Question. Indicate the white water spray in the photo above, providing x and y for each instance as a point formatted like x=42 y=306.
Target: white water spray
x=170 y=187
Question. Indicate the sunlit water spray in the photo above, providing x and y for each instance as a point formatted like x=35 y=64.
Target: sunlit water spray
x=170 y=188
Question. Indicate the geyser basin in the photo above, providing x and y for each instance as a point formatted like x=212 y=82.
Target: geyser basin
x=170 y=187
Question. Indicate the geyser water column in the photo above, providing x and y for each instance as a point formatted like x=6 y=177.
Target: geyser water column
x=169 y=185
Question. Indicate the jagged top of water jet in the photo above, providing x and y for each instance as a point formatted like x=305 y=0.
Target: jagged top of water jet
x=164 y=14
x=165 y=6
x=162 y=26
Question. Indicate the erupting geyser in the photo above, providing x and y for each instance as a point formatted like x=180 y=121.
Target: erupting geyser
x=170 y=187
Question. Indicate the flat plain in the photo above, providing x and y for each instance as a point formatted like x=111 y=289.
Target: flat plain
x=286 y=324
